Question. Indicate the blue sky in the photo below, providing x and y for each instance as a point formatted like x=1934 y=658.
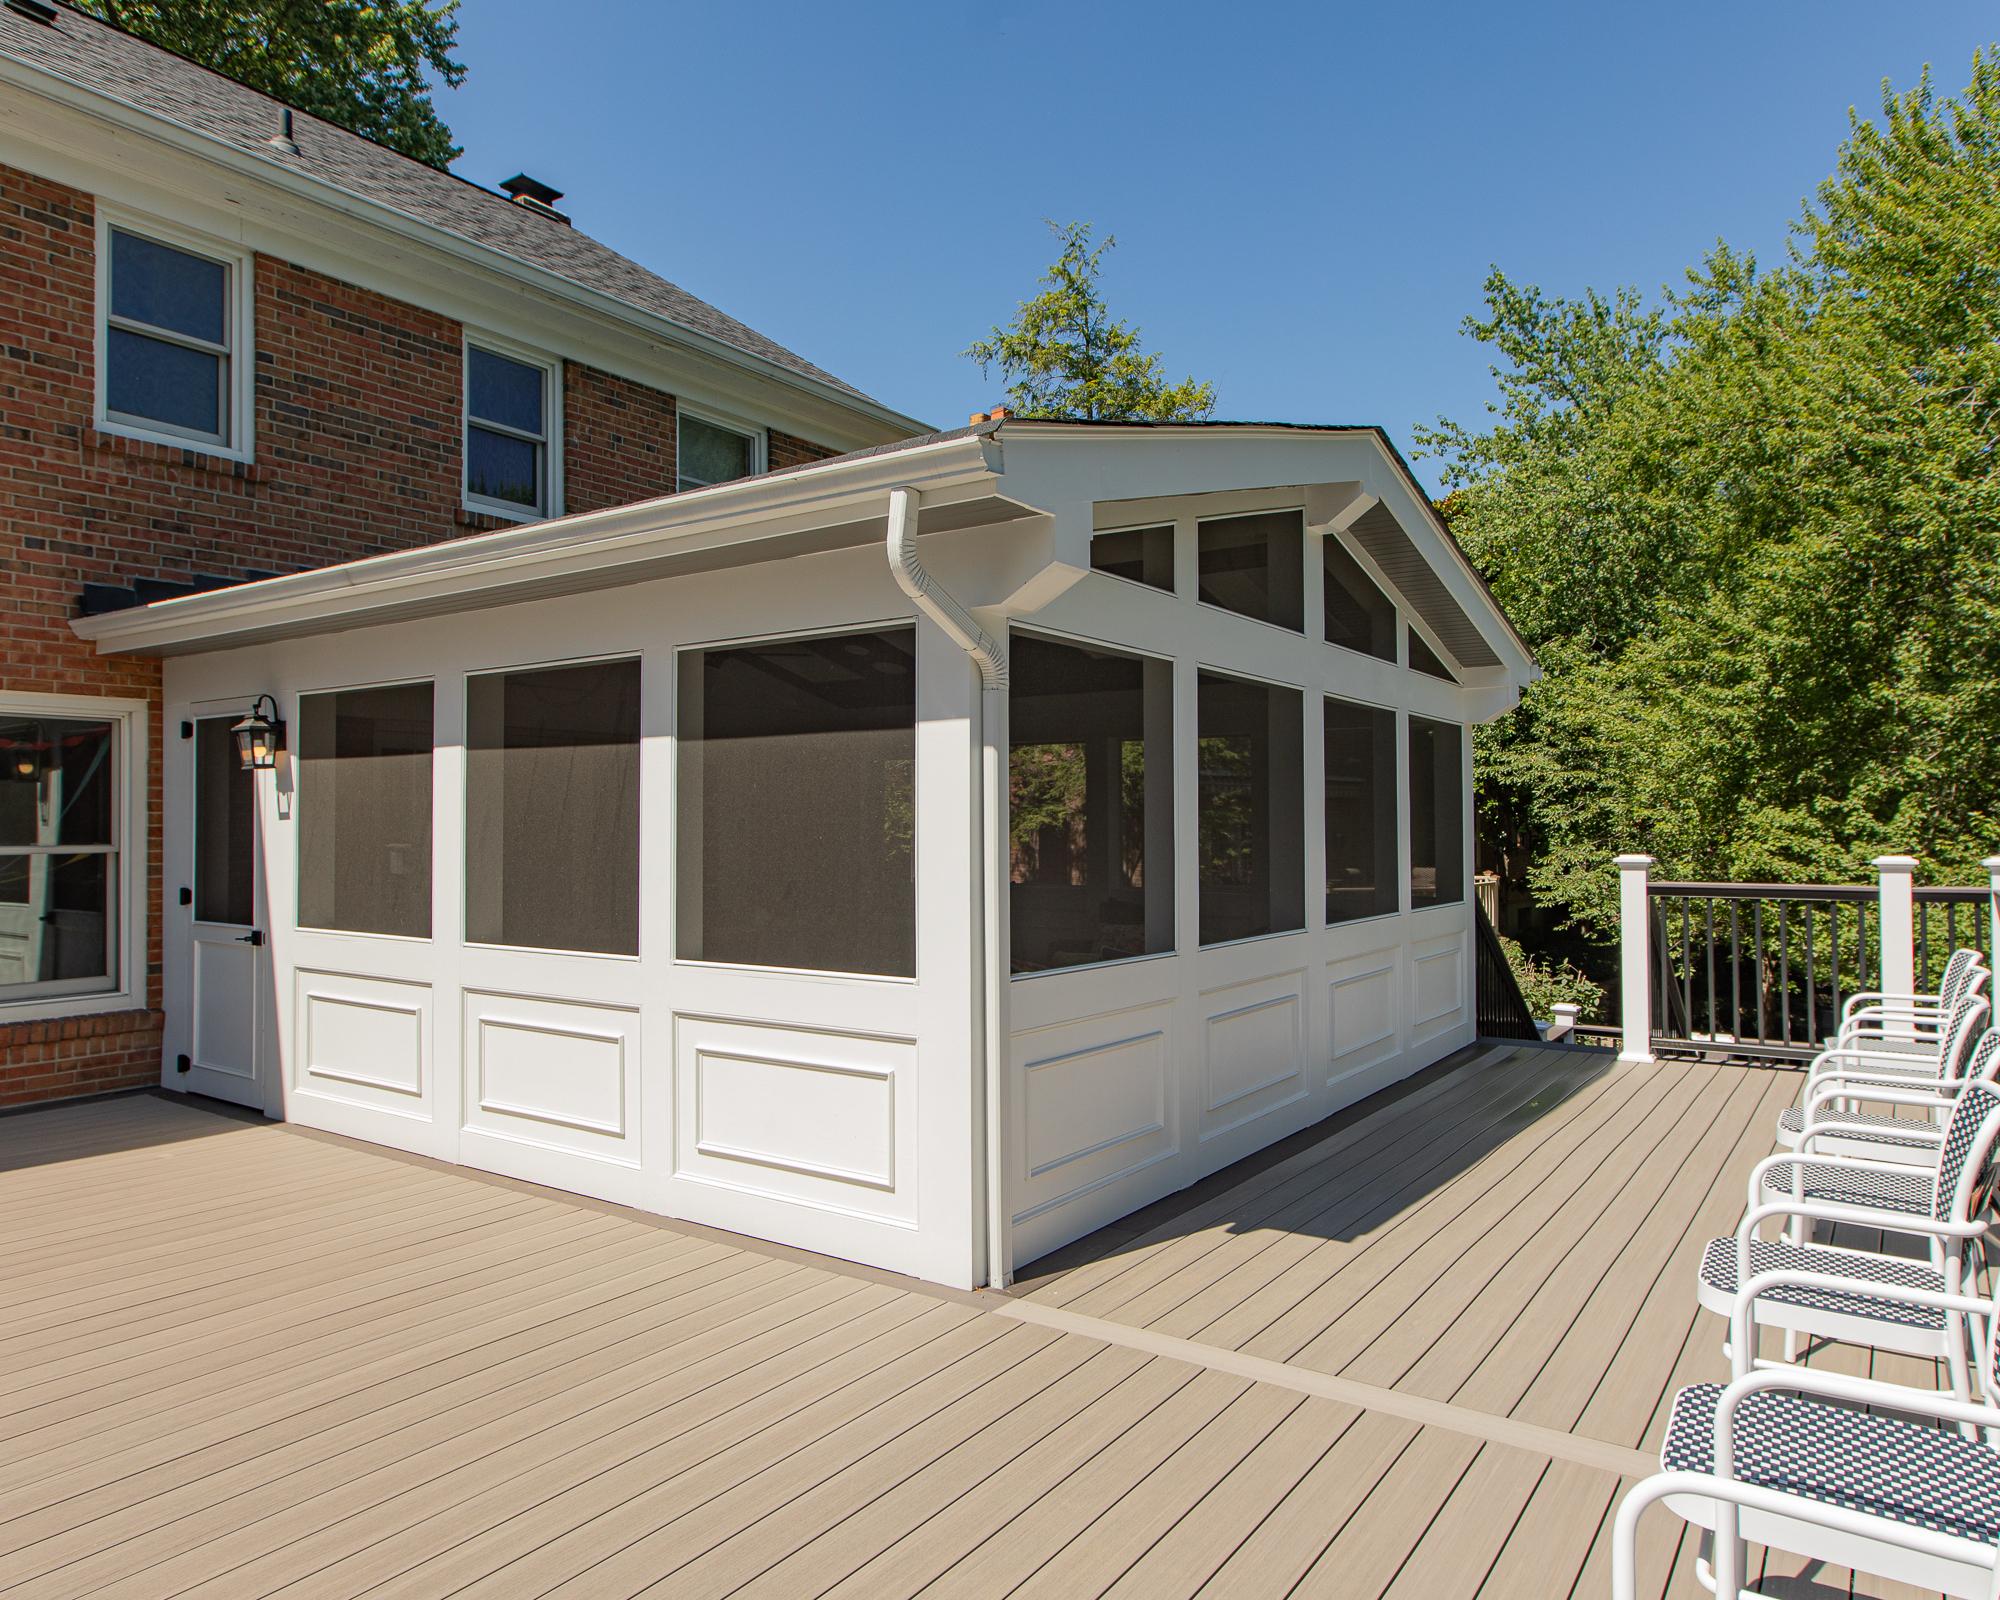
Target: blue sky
x=1306 y=197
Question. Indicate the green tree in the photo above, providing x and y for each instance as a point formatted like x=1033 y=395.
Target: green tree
x=1065 y=356
x=1753 y=533
x=364 y=64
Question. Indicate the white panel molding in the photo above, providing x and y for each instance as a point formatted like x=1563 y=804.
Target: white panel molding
x=884 y=1179
x=1238 y=1017
x=323 y=996
x=488 y=1101
x=1035 y=1073
x=1363 y=994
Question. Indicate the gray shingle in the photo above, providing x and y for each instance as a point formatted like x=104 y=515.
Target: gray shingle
x=100 y=57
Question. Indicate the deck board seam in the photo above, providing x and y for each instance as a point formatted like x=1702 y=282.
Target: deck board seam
x=1424 y=1412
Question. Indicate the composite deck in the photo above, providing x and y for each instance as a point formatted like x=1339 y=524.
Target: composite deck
x=1415 y=1352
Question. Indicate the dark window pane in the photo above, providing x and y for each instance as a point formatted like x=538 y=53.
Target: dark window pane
x=1255 y=565
x=500 y=467
x=1360 y=811
x=1091 y=806
x=365 y=810
x=225 y=838
x=552 y=808
x=1437 y=813
x=503 y=391
x=1424 y=659
x=797 y=767
x=169 y=288
x=1145 y=555
x=57 y=920
x=1358 y=614
x=56 y=781
x=709 y=454
x=162 y=382
x=1251 y=839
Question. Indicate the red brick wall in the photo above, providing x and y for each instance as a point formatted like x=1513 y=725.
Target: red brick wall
x=357 y=443
x=785 y=450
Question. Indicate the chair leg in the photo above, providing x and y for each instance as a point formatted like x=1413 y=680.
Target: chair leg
x=1731 y=1557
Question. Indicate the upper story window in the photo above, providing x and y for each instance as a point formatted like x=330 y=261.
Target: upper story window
x=1254 y=565
x=710 y=452
x=510 y=433
x=172 y=332
x=1359 y=616
x=1426 y=660
x=1143 y=555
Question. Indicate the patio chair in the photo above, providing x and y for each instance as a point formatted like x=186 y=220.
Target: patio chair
x=1830 y=1108
x=1938 y=1068
x=1847 y=1305
x=1965 y=971
x=1783 y=1456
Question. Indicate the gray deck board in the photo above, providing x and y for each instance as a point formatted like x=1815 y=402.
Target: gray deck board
x=384 y=1377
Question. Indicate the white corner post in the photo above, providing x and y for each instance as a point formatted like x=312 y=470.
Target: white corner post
x=1992 y=866
x=1895 y=883
x=1635 y=959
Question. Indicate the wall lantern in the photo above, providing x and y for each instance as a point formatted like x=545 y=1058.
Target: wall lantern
x=259 y=738
x=26 y=762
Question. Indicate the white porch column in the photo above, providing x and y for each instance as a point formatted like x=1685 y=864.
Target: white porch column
x=1992 y=866
x=1895 y=885
x=1635 y=958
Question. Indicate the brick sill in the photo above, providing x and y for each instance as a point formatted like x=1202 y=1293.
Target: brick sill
x=188 y=457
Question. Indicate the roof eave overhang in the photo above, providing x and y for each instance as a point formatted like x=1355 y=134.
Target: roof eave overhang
x=130 y=119
x=728 y=524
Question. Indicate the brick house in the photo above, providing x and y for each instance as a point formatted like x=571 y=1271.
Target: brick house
x=238 y=342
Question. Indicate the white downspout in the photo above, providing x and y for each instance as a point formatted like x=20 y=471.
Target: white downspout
x=991 y=659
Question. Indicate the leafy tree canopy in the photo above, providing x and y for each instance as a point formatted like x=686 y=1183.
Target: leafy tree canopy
x=1753 y=533
x=1065 y=355
x=359 y=63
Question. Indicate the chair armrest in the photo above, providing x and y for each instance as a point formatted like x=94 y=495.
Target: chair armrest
x=1864 y=998
x=1742 y=1314
x=1861 y=1216
x=1797 y=1158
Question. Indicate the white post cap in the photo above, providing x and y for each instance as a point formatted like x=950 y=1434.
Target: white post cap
x=1991 y=863
x=1894 y=863
x=1632 y=862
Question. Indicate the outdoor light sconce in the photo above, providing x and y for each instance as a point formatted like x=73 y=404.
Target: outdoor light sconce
x=27 y=763
x=259 y=738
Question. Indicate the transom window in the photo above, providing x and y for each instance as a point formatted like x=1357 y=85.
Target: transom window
x=62 y=861
x=168 y=343
x=1254 y=565
x=506 y=433
x=708 y=452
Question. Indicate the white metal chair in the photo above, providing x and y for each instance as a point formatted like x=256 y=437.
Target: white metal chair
x=1858 y=1067
x=1783 y=1457
x=1854 y=1312
x=1875 y=1010
x=1831 y=1109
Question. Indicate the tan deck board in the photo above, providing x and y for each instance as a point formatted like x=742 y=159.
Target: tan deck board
x=412 y=1382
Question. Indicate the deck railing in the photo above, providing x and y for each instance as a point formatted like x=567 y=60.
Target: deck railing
x=1762 y=970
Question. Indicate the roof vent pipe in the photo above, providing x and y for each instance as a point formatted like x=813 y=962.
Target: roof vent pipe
x=990 y=801
x=282 y=139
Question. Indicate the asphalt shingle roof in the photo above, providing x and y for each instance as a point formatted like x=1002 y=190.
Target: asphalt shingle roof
x=100 y=57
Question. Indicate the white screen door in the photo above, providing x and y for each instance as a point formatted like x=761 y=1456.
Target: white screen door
x=228 y=956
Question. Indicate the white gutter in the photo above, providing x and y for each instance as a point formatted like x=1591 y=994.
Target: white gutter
x=991 y=659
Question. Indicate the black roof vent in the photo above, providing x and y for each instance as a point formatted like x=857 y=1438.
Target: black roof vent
x=34 y=10
x=534 y=194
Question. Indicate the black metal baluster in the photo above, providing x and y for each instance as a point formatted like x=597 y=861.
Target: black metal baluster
x=1812 y=981
x=1785 y=965
x=1757 y=941
x=1708 y=933
x=1735 y=970
x=1833 y=956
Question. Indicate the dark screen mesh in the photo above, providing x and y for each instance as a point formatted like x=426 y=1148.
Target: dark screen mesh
x=1144 y=555
x=1437 y=813
x=1255 y=565
x=552 y=808
x=1252 y=831
x=224 y=837
x=797 y=804
x=1360 y=811
x=365 y=810
x=1091 y=821
x=1358 y=614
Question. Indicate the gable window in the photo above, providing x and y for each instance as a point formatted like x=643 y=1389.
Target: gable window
x=708 y=452
x=169 y=340
x=1140 y=555
x=1359 y=616
x=68 y=819
x=508 y=436
x=1254 y=565
x=1426 y=660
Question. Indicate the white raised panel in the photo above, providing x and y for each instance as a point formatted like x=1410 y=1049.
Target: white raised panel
x=1095 y=1104
x=225 y=1007
x=554 y=1073
x=1254 y=1050
x=1362 y=995
x=821 y=1118
x=365 y=1041
x=1437 y=985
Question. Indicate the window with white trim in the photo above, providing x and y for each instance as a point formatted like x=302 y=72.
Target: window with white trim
x=509 y=410
x=169 y=339
x=63 y=853
x=708 y=452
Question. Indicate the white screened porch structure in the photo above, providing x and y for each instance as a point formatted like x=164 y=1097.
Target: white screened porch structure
x=922 y=857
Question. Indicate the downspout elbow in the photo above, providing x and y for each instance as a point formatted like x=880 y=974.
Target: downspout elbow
x=933 y=599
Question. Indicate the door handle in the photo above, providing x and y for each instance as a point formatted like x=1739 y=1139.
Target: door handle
x=254 y=936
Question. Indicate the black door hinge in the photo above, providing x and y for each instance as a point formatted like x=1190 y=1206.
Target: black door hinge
x=187 y=730
x=183 y=1064
x=187 y=897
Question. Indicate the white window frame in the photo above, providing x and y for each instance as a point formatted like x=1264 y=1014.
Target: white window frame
x=759 y=437
x=551 y=368
x=240 y=356
x=127 y=991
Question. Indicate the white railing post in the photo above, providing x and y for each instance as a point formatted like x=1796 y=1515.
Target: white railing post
x=1635 y=958
x=1992 y=866
x=1895 y=885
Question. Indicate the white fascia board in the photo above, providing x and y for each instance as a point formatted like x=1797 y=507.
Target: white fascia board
x=47 y=128
x=1265 y=455
x=593 y=549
